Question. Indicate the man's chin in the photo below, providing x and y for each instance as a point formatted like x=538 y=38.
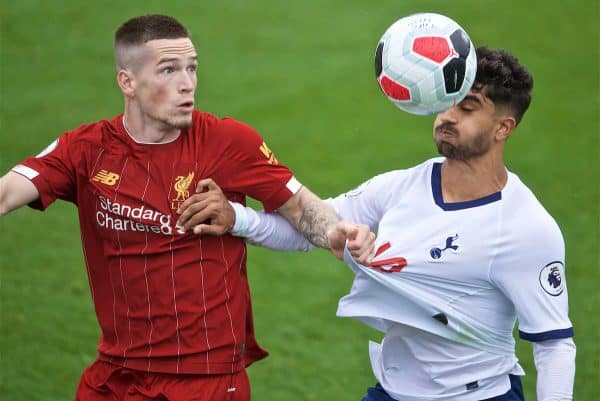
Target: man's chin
x=445 y=149
x=181 y=122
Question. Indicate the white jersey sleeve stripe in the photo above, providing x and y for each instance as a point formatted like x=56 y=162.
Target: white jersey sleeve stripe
x=25 y=171
x=293 y=185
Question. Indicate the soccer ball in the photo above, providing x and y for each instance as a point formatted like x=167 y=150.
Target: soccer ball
x=425 y=63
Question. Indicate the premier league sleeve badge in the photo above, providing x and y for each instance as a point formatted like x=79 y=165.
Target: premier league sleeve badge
x=552 y=278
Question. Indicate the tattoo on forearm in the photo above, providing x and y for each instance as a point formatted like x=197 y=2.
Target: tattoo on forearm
x=314 y=223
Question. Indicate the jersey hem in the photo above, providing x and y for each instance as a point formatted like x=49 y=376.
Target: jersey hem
x=174 y=365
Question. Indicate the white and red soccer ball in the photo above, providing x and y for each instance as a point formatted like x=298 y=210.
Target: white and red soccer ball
x=425 y=63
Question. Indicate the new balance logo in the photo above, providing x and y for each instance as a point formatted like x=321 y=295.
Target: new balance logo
x=106 y=177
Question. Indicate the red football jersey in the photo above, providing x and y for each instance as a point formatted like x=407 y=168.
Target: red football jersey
x=166 y=301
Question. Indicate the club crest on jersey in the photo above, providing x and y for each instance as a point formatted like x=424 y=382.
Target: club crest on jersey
x=181 y=186
x=437 y=252
x=552 y=278
x=268 y=153
x=106 y=177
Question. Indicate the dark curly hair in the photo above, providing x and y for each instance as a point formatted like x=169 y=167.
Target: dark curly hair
x=502 y=79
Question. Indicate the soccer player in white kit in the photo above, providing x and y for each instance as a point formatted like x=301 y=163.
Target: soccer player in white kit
x=463 y=250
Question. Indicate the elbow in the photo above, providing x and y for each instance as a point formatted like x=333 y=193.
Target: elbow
x=4 y=208
x=3 y=205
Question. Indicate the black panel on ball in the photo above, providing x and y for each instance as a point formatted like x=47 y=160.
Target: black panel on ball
x=454 y=75
x=461 y=43
x=378 y=56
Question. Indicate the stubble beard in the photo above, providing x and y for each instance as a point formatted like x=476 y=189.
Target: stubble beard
x=178 y=122
x=462 y=152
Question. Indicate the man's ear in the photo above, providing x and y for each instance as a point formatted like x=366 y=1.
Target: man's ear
x=505 y=126
x=126 y=82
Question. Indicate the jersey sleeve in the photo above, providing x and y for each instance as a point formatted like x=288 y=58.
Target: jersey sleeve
x=251 y=167
x=52 y=171
x=534 y=279
x=269 y=230
x=367 y=203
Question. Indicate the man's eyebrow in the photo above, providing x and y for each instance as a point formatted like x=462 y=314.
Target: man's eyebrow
x=472 y=98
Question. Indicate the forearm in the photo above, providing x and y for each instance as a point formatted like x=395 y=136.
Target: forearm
x=555 y=365
x=269 y=230
x=311 y=216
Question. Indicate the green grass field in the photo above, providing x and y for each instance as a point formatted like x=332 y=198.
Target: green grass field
x=302 y=74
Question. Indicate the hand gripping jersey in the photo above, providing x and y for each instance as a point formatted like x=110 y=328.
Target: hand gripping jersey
x=450 y=279
x=166 y=301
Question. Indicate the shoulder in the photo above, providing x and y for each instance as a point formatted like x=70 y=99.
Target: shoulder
x=223 y=127
x=92 y=129
x=418 y=176
x=227 y=135
x=95 y=133
x=415 y=173
x=391 y=185
x=524 y=211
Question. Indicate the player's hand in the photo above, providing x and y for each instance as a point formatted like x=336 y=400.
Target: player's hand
x=207 y=211
x=360 y=239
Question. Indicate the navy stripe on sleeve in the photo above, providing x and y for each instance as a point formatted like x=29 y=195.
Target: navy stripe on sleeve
x=547 y=335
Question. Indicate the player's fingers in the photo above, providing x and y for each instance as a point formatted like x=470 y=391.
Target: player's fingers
x=191 y=200
x=366 y=257
x=210 y=229
x=349 y=230
x=192 y=211
x=188 y=208
x=362 y=248
x=207 y=184
x=198 y=218
x=360 y=238
x=199 y=228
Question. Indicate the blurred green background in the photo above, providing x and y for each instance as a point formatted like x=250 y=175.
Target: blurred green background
x=302 y=74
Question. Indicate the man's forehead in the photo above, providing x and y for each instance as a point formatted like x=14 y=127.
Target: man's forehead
x=172 y=48
x=478 y=97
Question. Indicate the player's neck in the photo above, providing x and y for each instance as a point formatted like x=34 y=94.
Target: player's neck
x=141 y=130
x=463 y=181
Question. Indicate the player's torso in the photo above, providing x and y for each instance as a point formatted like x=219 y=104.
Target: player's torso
x=137 y=195
x=134 y=191
x=147 y=275
x=456 y=245
x=449 y=251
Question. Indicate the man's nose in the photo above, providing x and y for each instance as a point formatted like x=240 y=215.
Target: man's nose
x=188 y=82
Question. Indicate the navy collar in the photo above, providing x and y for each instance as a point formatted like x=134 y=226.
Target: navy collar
x=436 y=187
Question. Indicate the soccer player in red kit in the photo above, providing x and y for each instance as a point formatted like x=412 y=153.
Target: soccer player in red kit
x=173 y=307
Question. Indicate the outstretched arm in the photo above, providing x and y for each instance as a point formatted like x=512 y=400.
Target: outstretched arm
x=15 y=191
x=320 y=224
x=269 y=230
x=310 y=216
x=209 y=212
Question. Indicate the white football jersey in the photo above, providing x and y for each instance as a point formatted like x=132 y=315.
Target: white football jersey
x=450 y=280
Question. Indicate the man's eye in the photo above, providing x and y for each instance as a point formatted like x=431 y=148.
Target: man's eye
x=168 y=70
